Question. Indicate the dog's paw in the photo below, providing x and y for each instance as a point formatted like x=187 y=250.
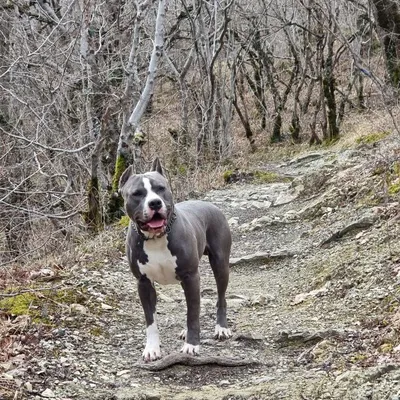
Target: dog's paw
x=190 y=349
x=182 y=335
x=151 y=353
x=222 y=333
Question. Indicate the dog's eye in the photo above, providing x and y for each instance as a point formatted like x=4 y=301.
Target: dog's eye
x=137 y=193
x=160 y=189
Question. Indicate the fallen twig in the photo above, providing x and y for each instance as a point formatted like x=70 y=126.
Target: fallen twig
x=287 y=338
x=185 y=359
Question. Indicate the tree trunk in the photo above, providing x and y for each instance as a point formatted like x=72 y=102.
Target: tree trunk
x=130 y=131
x=387 y=14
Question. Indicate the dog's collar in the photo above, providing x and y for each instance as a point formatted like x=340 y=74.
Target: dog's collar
x=166 y=231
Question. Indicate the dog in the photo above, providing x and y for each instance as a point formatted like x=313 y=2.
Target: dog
x=164 y=244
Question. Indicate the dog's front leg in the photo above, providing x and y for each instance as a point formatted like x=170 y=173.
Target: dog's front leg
x=191 y=287
x=148 y=298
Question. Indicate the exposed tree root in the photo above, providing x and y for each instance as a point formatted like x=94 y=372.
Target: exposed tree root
x=185 y=359
x=362 y=224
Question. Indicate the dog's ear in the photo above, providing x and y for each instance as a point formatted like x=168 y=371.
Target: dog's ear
x=124 y=177
x=157 y=166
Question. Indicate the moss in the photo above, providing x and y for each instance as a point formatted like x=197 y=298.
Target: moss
x=19 y=305
x=69 y=296
x=380 y=170
x=269 y=177
x=96 y=331
x=358 y=358
x=227 y=175
x=124 y=221
x=330 y=142
x=372 y=137
x=182 y=169
x=394 y=188
x=386 y=348
x=120 y=167
x=396 y=168
x=44 y=306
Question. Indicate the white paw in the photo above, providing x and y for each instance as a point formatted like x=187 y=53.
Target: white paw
x=190 y=349
x=151 y=353
x=222 y=333
x=182 y=335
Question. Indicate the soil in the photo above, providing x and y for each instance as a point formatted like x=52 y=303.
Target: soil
x=320 y=319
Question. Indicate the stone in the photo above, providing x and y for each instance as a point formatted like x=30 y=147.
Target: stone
x=285 y=198
x=233 y=221
x=303 y=296
x=124 y=372
x=306 y=158
x=78 y=308
x=48 y=394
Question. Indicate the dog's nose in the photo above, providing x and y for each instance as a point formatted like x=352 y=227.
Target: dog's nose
x=155 y=204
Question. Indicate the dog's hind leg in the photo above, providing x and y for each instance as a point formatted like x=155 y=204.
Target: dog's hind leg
x=220 y=266
x=191 y=287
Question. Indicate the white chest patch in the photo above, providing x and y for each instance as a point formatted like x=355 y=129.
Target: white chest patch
x=161 y=265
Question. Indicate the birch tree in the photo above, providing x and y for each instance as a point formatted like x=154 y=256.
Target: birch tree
x=130 y=130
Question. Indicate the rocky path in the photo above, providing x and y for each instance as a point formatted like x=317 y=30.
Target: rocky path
x=314 y=301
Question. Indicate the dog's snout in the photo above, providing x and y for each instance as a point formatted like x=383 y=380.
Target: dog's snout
x=155 y=204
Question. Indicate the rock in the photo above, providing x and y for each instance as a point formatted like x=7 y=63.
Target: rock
x=303 y=296
x=306 y=158
x=42 y=273
x=78 y=308
x=6 y=366
x=106 y=307
x=224 y=383
x=287 y=197
x=260 y=257
x=48 y=394
x=327 y=199
x=263 y=379
x=364 y=222
x=165 y=298
x=233 y=221
x=259 y=300
x=59 y=332
x=124 y=372
x=28 y=386
x=260 y=204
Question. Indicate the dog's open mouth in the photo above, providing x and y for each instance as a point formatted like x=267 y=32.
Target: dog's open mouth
x=155 y=224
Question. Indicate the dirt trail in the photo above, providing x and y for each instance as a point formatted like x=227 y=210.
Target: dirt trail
x=321 y=319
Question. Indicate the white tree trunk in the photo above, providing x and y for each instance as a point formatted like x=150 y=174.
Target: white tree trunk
x=134 y=120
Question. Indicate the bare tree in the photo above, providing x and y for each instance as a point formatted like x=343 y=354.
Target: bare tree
x=387 y=14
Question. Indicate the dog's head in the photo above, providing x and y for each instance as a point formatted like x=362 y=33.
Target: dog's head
x=148 y=199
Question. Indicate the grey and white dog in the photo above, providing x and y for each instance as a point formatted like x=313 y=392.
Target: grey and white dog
x=165 y=243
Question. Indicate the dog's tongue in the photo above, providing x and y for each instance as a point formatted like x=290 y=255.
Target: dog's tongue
x=156 y=223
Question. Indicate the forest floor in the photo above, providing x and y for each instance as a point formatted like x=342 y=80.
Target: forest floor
x=314 y=302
